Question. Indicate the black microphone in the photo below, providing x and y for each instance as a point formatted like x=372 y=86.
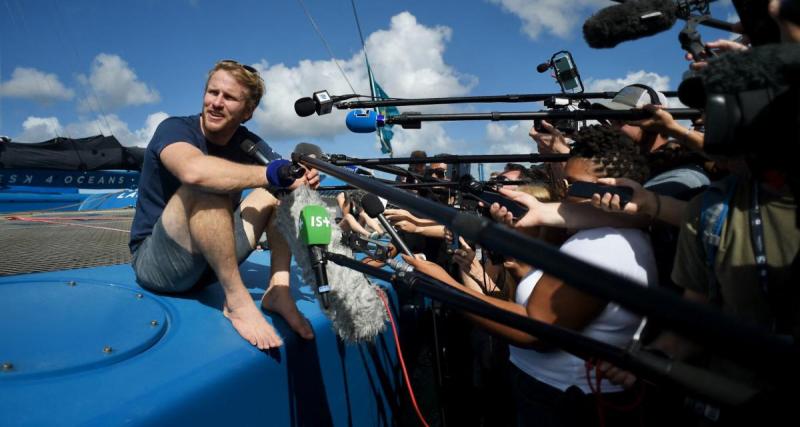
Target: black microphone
x=304 y=107
x=310 y=149
x=374 y=208
x=320 y=102
x=544 y=66
x=629 y=21
x=280 y=173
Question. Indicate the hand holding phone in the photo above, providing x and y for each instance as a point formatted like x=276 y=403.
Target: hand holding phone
x=585 y=190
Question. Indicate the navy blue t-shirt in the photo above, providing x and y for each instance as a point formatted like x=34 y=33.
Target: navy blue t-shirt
x=157 y=184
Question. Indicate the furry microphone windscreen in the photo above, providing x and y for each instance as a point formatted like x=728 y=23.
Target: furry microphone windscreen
x=768 y=66
x=631 y=20
x=356 y=311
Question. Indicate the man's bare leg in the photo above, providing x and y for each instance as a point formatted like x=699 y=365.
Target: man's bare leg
x=258 y=216
x=202 y=222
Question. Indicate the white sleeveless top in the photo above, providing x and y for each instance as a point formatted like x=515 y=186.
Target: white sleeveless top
x=624 y=251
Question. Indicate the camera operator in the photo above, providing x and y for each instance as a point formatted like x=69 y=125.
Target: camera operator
x=753 y=271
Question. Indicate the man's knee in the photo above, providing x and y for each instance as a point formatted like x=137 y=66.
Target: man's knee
x=194 y=199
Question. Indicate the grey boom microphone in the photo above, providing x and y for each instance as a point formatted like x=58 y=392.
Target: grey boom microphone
x=356 y=311
x=374 y=208
x=631 y=20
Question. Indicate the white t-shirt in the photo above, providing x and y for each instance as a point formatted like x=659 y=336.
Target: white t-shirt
x=624 y=251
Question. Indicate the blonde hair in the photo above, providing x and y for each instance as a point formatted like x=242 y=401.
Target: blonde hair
x=541 y=192
x=247 y=76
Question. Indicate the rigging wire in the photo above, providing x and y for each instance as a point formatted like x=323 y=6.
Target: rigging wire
x=325 y=42
x=370 y=74
x=93 y=100
x=364 y=48
x=24 y=25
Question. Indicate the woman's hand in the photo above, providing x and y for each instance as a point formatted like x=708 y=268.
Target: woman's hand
x=400 y=215
x=642 y=200
x=431 y=269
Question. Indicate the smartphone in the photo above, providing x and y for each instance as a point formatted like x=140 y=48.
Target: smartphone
x=489 y=197
x=566 y=71
x=585 y=190
x=454 y=244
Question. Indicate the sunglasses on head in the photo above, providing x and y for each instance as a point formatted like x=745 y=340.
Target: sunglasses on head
x=245 y=66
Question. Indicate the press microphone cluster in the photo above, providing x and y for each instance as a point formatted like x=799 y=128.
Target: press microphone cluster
x=353 y=305
x=280 y=173
x=363 y=121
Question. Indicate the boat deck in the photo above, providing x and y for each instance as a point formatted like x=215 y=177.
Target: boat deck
x=95 y=349
x=52 y=241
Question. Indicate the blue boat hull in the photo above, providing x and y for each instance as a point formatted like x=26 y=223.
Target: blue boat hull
x=191 y=368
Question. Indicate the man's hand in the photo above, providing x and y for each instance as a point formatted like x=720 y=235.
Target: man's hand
x=464 y=256
x=616 y=375
x=551 y=141
x=661 y=121
x=311 y=177
x=717 y=46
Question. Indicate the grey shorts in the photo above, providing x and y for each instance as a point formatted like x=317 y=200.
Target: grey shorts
x=162 y=265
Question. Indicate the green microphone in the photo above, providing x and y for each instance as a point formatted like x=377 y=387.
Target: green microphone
x=315 y=232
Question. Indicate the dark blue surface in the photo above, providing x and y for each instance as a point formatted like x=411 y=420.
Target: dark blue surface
x=26 y=202
x=200 y=372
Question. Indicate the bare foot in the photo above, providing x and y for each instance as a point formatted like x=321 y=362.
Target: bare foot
x=250 y=323
x=278 y=299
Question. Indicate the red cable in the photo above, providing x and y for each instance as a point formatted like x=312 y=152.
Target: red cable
x=383 y=298
x=17 y=218
x=602 y=403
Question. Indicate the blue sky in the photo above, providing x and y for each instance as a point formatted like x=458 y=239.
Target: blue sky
x=84 y=67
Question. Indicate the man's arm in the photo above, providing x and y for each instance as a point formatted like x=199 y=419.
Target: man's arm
x=192 y=167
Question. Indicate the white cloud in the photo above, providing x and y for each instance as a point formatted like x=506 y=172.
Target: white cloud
x=111 y=124
x=30 y=83
x=112 y=85
x=38 y=129
x=557 y=17
x=420 y=71
x=509 y=139
x=431 y=138
x=144 y=134
x=654 y=80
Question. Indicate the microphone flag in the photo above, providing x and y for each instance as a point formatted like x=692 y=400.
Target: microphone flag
x=385 y=133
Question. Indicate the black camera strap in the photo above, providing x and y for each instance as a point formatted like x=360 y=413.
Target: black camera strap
x=759 y=250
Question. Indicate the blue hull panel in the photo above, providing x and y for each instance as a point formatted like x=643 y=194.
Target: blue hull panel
x=196 y=371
